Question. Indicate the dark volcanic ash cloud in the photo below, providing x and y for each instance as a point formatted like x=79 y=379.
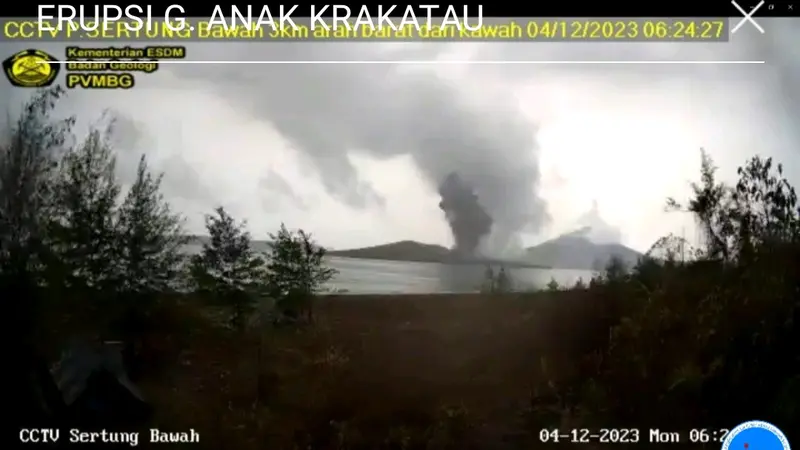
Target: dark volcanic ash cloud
x=327 y=111
x=468 y=221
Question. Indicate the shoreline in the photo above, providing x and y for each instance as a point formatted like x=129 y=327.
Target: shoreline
x=445 y=260
x=432 y=296
x=479 y=262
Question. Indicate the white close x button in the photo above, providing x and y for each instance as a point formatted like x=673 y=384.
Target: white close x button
x=748 y=17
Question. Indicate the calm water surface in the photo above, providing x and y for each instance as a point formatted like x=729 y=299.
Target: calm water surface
x=371 y=276
x=362 y=276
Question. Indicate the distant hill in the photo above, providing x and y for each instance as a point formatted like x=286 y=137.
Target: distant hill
x=575 y=251
x=568 y=251
x=199 y=240
x=419 y=252
x=196 y=239
x=398 y=251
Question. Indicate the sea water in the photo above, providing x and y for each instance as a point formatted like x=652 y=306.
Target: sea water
x=373 y=276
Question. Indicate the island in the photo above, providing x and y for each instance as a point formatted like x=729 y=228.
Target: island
x=575 y=250
x=569 y=251
x=419 y=252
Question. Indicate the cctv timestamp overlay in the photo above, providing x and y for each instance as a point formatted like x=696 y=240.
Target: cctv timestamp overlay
x=632 y=436
x=591 y=435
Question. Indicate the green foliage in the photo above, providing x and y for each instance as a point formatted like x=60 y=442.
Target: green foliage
x=151 y=236
x=709 y=339
x=60 y=218
x=295 y=271
x=29 y=152
x=552 y=285
x=227 y=267
x=83 y=229
x=615 y=270
x=759 y=210
x=709 y=206
x=63 y=234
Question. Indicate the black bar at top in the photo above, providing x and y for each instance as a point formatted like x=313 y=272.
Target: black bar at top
x=539 y=8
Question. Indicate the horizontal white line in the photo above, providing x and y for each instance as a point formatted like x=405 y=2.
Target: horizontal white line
x=430 y=62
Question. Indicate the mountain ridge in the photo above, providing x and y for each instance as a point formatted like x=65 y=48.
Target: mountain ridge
x=414 y=251
x=575 y=250
x=569 y=251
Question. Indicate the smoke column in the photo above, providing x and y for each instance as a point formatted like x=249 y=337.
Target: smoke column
x=598 y=230
x=468 y=221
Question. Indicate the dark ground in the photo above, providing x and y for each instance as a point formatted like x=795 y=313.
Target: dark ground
x=410 y=371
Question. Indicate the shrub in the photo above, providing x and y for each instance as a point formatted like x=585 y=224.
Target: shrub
x=706 y=340
x=151 y=237
x=227 y=268
x=83 y=229
x=501 y=283
x=29 y=153
x=295 y=272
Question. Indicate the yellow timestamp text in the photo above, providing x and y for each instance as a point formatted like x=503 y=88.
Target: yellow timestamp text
x=628 y=30
x=536 y=30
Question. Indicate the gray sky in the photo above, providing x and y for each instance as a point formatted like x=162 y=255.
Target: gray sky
x=353 y=153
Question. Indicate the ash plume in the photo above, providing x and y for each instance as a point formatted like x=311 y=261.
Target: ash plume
x=384 y=111
x=464 y=121
x=468 y=221
x=598 y=230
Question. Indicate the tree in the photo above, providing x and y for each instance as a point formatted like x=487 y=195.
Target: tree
x=761 y=208
x=503 y=283
x=28 y=158
x=227 y=267
x=295 y=271
x=28 y=153
x=716 y=329
x=151 y=236
x=709 y=206
x=615 y=269
x=84 y=227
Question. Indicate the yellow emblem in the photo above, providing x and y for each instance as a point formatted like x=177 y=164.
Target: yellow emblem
x=31 y=69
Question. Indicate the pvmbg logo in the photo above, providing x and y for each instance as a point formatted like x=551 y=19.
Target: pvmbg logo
x=31 y=69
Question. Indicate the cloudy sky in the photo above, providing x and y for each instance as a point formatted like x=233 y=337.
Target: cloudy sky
x=354 y=153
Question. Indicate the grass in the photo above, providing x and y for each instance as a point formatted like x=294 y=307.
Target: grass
x=407 y=371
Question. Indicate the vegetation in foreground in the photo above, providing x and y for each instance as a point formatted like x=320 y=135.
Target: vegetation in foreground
x=688 y=338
